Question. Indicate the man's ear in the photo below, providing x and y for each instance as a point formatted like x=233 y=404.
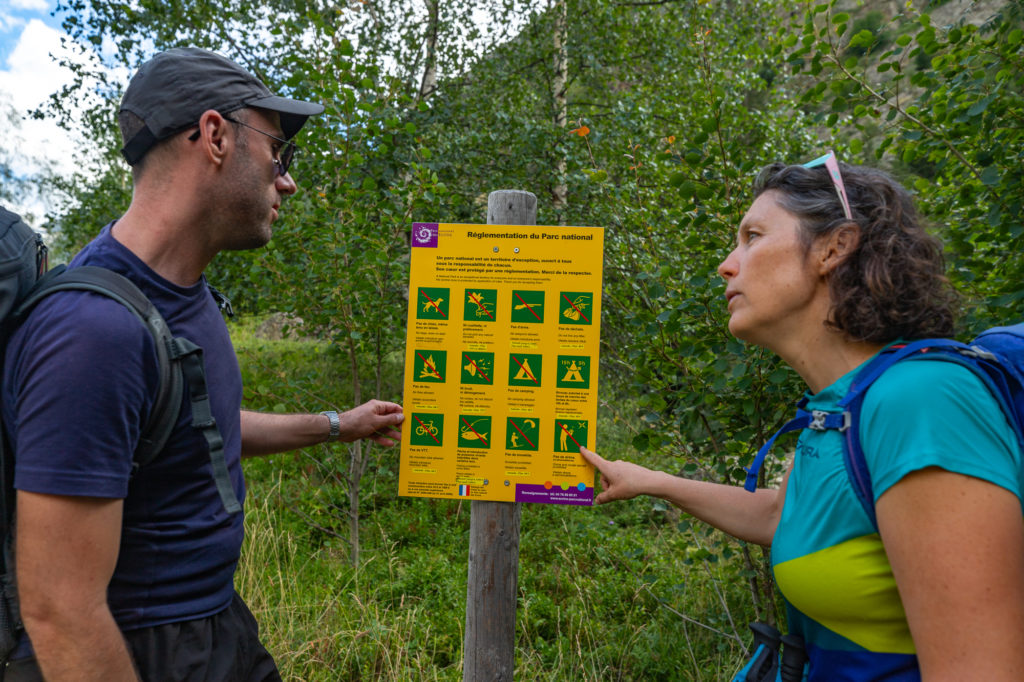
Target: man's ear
x=837 y=247
x=213 y=136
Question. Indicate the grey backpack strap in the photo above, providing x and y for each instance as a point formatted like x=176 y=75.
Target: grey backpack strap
x=113 y=285
x=179 y=360
x=191 y=358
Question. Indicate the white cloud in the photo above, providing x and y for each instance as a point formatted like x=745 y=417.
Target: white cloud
x=31 y=5
x=9 y=22
x=28 y=78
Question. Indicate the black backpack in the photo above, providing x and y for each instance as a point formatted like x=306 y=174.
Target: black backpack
x=24 y=281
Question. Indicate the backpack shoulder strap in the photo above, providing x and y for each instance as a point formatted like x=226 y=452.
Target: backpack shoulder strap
x=113 y=285
x=180 y=363
x=993 y=374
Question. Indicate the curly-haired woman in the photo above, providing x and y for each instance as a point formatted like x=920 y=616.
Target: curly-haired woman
x=830 y=267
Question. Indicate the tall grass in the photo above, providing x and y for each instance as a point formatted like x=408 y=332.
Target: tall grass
x=622 y=592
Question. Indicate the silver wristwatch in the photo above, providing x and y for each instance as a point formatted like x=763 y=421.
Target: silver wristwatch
x=335 y=425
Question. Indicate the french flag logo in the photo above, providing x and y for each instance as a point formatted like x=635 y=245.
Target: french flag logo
x=463 y=491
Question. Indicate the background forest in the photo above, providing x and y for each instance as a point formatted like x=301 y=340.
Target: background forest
x=649 y=118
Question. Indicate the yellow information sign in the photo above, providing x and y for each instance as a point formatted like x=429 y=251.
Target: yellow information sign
x=504 y=330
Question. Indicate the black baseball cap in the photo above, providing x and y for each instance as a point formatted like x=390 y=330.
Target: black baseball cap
x=173 y=89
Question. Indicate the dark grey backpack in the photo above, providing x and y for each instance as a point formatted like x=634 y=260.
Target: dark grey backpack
x=24 y=281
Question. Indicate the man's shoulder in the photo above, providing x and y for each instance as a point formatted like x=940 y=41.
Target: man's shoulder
x=82 y=325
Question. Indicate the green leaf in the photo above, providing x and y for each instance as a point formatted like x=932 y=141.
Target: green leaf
x=981 y=105
x=991 y=176
x=862 y=38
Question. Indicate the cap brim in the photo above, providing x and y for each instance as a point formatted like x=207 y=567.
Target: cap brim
x=293 y=112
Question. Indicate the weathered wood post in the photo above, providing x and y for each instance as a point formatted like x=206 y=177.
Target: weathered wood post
x=489 y=647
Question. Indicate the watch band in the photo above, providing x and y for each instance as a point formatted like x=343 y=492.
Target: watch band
x=335 y=425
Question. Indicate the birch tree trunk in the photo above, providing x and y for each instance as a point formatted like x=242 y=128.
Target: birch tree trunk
x=429 y=82
x=558 y=87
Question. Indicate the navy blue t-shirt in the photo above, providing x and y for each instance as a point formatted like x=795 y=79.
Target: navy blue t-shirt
x=79 y=381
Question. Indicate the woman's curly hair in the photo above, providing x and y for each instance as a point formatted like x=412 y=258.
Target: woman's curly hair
x=893 y=285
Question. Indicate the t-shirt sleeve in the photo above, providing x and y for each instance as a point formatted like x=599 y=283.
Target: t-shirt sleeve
x=85 y=376
x=924 y=413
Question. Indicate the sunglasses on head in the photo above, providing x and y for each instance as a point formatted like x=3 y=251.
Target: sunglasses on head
x=832 y=165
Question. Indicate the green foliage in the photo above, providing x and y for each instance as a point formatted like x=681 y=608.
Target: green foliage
x=943 y=104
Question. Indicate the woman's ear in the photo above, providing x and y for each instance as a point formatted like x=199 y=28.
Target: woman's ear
x=837 y=247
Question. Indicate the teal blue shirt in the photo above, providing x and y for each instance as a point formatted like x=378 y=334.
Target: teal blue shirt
x=828 y=559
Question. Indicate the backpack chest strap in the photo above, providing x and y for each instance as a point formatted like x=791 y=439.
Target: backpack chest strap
x=816 y=420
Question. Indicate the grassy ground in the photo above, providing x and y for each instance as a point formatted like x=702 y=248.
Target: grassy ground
x=622 y=592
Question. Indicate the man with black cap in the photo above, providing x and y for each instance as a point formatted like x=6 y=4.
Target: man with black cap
x=125 y=575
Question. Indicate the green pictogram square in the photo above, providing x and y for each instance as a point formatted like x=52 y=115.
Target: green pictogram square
x=427 y=429
x=522 y=433
x=527 y=306
x=573 y=371
x=576 y=307
x=477 y=368
x=480 y=305
x=524 y=369
x=570 y=434
x=429 y=366
x=474 y=431
x=432 y=303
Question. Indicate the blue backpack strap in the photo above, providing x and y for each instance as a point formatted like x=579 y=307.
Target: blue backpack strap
x=984 y=364
x=804 y=419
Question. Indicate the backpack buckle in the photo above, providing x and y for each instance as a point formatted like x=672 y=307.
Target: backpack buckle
x=980 y=353
x=823 y=421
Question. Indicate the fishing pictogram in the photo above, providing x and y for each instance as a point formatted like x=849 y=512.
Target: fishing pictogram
x=473 y=434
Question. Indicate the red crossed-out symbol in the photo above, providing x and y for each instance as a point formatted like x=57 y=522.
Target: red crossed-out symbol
x=527 y=306
x=577 y=309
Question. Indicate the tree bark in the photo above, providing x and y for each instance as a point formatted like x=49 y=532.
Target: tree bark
x=560 y=193
x=429 y=83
